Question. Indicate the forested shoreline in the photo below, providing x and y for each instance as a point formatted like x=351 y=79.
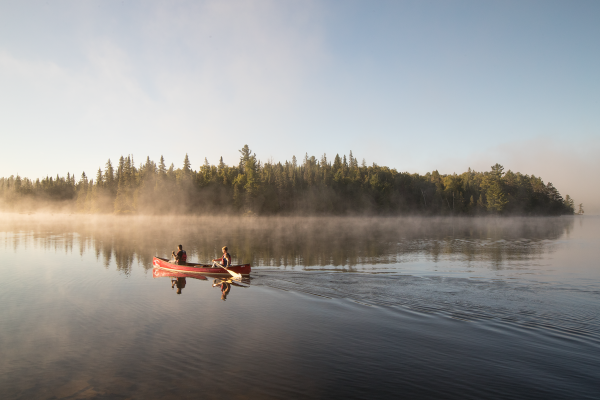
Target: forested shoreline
x=313 y=186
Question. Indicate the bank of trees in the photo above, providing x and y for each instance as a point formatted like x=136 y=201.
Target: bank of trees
x=311 y=186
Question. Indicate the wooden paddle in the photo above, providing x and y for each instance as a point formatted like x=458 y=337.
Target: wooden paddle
x=234 y=274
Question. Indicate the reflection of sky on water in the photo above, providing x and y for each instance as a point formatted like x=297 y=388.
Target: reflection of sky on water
x=414 y=245
x=466 y=300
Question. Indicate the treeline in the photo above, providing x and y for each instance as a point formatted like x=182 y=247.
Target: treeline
x=314 y=186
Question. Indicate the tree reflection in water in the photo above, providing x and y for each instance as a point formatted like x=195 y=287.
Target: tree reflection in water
x=346 y=243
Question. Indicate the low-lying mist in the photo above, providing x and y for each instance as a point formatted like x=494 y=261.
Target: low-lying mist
x=338 y=242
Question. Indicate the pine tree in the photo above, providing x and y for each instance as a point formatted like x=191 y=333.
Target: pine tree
x=497 y=170
x=353 y=161
x=162 y=168
x=17 y=184
x=245 y=152
x=82 y=191
x=205 y=173
x=161 y=178
x=187 y=166
x=337 y=164
x=124 y=201
x=252 y=182
x=109 y=177
x=99 y=178
x=569 y=204
x=120 y=167
x=493 y=188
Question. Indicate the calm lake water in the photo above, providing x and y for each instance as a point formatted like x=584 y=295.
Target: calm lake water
x=334 y=308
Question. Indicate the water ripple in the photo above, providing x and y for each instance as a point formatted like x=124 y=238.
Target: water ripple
x=544 y=307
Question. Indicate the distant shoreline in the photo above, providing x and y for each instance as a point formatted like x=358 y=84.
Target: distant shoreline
x=313 y=187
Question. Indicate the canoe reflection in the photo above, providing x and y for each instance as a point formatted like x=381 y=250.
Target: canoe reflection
x=178 y=280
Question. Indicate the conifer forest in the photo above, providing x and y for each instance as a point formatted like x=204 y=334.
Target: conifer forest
x=312 y=186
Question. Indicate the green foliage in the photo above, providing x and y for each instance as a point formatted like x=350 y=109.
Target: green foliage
x=316 y=186
x=127 y=183
x=492 y=186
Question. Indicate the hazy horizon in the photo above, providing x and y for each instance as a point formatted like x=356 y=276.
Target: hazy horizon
x=417 y=86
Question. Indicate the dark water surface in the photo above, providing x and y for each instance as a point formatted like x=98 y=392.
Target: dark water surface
x=334 y=308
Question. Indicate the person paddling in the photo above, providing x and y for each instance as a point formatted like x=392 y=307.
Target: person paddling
x=181 y=256
x=224 y=261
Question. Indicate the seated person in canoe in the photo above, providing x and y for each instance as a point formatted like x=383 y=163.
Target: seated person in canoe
x=224 y=261
x=180 y=256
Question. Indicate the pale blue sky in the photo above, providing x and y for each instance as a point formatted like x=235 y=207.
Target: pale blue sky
x=414 y=85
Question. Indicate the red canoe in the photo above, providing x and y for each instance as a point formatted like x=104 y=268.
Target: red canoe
x=163 y=263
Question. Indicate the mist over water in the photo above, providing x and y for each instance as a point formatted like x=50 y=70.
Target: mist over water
x=345 y=243
x=338 y=306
